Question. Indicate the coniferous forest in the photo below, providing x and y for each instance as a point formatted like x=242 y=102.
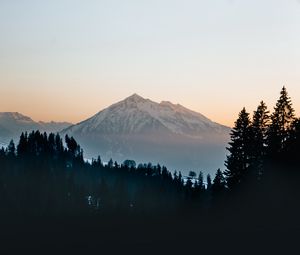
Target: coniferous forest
x=51 y=197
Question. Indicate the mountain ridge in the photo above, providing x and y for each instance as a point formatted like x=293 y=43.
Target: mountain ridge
x=12 y=124
x=158 y=111
x=144 y=130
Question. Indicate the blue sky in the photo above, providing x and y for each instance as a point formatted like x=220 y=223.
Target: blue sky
x=66 y=60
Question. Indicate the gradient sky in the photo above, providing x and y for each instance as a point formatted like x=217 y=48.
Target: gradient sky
x=66 y=60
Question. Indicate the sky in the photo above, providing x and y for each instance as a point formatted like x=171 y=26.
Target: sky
x=65 y=60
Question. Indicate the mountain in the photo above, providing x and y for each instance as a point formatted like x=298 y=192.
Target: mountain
x=12 y=124
x=140 y=129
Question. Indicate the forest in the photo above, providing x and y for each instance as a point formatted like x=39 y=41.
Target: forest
x=48 y=191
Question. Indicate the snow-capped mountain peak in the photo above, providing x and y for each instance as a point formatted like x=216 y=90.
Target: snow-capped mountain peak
x=163 y=132
x=136 y=114
x=135 y=98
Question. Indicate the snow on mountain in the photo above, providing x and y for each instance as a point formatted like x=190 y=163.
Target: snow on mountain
x=136 y=115
x=12 y=124
x=144 y=130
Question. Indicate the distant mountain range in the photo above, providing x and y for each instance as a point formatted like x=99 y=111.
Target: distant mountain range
x=12 y=124
x=140 y=129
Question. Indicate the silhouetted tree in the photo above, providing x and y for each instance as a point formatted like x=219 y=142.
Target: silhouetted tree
x=282 y=118
x=110 y=163
x=180 y=180
x=97 y=162
x=200 y=181
x=188 y=187
x=239 y=159
x=129 y=163
x=260 y=125
x=208 y=182
x=219 y=183
x=72 y=146
x=11 y=149
x=22 y=146
x=192 y=174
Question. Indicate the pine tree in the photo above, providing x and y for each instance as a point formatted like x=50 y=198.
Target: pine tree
x=98 y=162
x=219 y=182
x=200 y=181
x=73 y=146
x=50 y=143
x=238 y=161
x=11 y=149
x=110 y=164
x=175 y=176
x=59 y=147
x=22 y=146
x=180 y=180
x=282 y=118
x=188 y=186
x=208 y=181
x=260 y=124
x=192 y=174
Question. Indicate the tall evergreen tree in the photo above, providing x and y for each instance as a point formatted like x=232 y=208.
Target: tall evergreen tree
x=208 y=181
x=200 y=180
x=11 y=149
x=180 y=180
x=260 y=124
x=192 y=174
x=282 y=118
x=72 y=145
x=110 y=164
x=22 y=146
x=219 y=182
x=238 y=161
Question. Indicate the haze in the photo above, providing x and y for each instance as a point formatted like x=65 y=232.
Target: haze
x=66 y=60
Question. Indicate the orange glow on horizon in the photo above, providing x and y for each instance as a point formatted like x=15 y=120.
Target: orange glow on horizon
x=54 y=105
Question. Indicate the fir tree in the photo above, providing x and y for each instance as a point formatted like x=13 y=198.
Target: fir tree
x=260 y=124
x=208 y=181
x=110 y=164
x=238 y=161
x=11 y=149
x=22 y=146
x=73 y=146
x=180 y=180
x=219 y=182
x=200 y=181
x=282 y=118
x=192 y=174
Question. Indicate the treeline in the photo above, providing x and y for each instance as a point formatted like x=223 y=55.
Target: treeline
x=263 y=168
x=44 y=174
x=265 y=142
